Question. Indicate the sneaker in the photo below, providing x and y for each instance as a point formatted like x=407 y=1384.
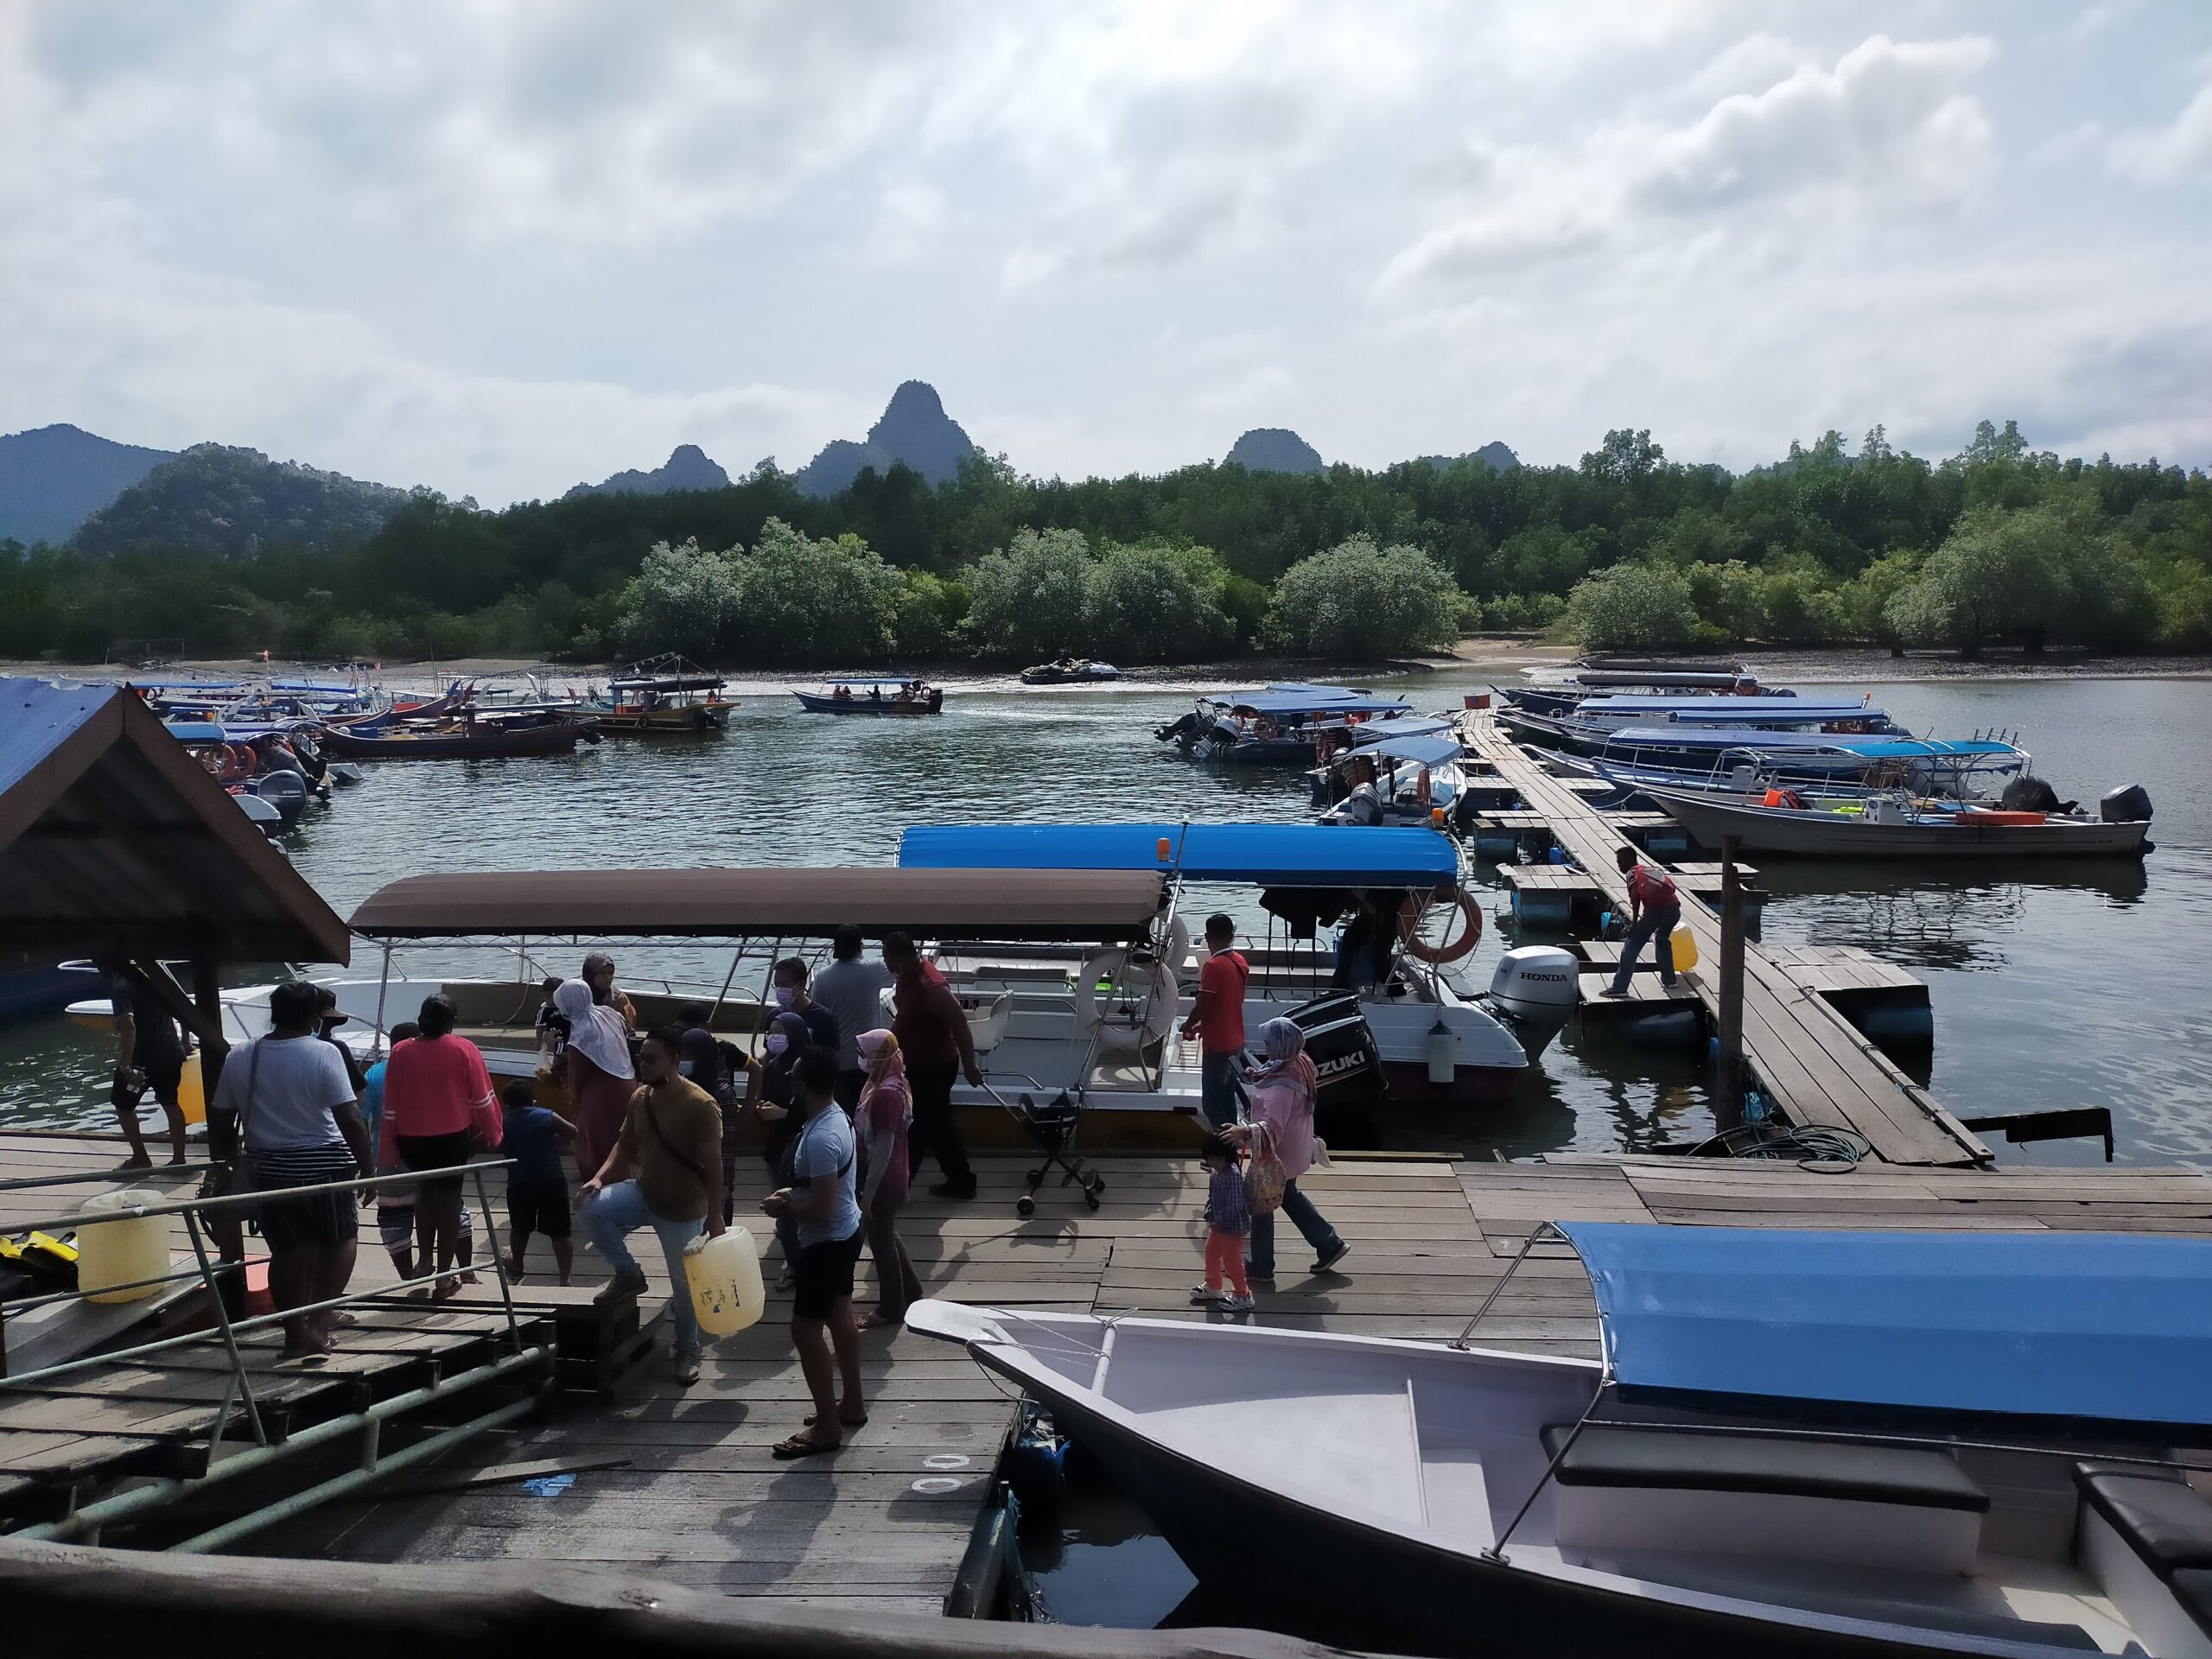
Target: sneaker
x=685 y=1365
x=1327 y=1263
x=1233 y=1303
x=1201 y=1296
x=1669 y=983
x=621 y=1287
x=1258 y=1275
x=1614 y=991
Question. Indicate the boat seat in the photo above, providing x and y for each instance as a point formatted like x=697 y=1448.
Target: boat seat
x=2146 y=1536
x=1831 y=1499
x=1836 y=1468
x=2163 y=1518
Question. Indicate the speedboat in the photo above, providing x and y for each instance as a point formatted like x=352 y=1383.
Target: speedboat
x=1390 y=886
x=873 y=697
x=1959 y=769
x=1795 y=1442
x=1069 y=670
x=1281 y=724
x=1402 y=771
x=1898 y=825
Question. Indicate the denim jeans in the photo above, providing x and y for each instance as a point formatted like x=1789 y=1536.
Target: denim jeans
x=1217 y=1088
x=1653 y=923
x=1304 y=1217
x=620 y=1210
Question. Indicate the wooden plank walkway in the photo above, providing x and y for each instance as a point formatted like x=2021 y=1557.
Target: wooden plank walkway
x=1816 y=1066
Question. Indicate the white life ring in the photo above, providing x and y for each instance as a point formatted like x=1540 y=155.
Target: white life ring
x=1178 y=943
x=1157 y=995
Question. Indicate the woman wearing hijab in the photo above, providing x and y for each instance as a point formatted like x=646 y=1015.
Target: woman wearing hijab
x=771 y=1096
x=597 y=1072
x=886 y=1109
x=1282 y=1094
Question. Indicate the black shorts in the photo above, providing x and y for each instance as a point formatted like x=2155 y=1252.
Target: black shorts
x=540 y=1207
x=823 y=1276
x=164 y=1076
x=435 y=1152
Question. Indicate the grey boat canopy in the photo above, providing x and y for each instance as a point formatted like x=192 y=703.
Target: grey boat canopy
x=993 y=904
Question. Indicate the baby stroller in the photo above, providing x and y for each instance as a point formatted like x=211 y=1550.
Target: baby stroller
x=1051 y=1130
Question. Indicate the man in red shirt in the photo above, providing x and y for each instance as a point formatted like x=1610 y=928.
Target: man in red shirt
x=1218 y=1021
x=1654 y=911
x=932 y=1031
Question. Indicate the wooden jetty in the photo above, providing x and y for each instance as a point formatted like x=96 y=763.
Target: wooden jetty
x=881 y=1525
x=1815 y=1067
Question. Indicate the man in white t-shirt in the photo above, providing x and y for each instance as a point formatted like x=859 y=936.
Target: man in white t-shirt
x=286 y=1111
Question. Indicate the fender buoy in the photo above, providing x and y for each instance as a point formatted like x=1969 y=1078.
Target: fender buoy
x=1159 y=994
x=1178 y=944
x=1409 y=915
x=237 y=764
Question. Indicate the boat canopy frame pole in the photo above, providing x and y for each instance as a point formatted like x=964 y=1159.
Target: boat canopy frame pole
x=1544 y=1232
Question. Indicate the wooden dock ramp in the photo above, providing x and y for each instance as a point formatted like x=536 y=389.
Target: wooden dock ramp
x=1814 y=1066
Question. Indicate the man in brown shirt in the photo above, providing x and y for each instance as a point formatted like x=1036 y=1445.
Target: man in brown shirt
x=665 y=1173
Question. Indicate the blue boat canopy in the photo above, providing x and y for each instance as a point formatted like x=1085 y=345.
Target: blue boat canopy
x=2115 y=1329
x=1744 y=706
x=1406 y=726
x=1258 y=854
x=1310 y=700
x=1905 y=748
x=1713 y=739
x=1422 y=749
x=1729 y=713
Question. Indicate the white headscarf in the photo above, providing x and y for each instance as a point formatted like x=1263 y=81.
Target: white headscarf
x=597 y=1033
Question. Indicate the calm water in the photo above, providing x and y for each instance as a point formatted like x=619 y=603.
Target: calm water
x=2049 y=990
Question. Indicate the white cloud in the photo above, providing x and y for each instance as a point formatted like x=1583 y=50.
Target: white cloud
x=1888 y=128
x=2178 y=153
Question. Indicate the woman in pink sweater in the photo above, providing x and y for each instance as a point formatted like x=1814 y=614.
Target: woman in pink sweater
x=1282 y=1093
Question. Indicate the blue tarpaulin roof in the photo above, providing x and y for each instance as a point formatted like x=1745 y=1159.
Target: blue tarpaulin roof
x=1261 y=854
x=1698 y=737
x=1692 y=704
x=2105 y=1326
x=1728 y=712
x=1889 y=748
x=1406 y=726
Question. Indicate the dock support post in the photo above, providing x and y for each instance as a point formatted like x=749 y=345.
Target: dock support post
x=1728 y=1070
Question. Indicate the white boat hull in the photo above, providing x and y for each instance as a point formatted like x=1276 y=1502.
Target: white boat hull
x=1838 y=835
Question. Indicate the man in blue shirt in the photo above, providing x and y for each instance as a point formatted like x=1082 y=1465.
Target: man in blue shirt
x=821 y=1199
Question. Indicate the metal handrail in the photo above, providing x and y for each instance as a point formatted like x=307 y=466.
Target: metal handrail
x=182 y=1206
x=78 y=1177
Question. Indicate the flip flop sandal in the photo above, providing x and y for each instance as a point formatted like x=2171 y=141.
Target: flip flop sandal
x=801 y=1445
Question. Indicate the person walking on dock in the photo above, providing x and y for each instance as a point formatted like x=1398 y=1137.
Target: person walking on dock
x=1654 y=911
x=1229 y=1223
x=821 y=1199
x=852 y=988
x=596 y=1068
x=1282 y=1095
x=822 y=1028
x=932 y=1031
x=1216 y=1020
x=150 y=1056
x=285 y=1111
x=880 y=1121
x=662 y=1173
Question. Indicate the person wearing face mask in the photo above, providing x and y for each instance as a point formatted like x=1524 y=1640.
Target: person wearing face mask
x=791 y=998
x=770 y=1093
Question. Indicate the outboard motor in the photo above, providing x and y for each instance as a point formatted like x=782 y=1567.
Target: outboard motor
x=1536 y=987
x=2129 y=804
x=1349 y=1063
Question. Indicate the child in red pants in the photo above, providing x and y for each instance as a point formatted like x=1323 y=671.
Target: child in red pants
x=1229 y=1219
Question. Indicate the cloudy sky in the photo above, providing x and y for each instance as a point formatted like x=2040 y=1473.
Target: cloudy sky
x=498 y=248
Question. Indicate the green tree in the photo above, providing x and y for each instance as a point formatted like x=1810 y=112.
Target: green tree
x=926 y=621
x=1730 y=598
x=1030 y=599
x=1154 y=603
x=683 y=599
x=806 y=600
x=1632 y=606
x=1358 y=602
x=2001 y=573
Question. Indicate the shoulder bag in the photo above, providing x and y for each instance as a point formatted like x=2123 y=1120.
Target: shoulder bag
x=1264 y=1178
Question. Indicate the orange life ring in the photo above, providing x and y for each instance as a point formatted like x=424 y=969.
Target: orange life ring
x=1409 y=915
x=237 y=764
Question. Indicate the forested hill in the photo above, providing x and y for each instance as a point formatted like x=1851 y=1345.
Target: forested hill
x=1833 y=543
x=54 y=478
x=214 y=500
